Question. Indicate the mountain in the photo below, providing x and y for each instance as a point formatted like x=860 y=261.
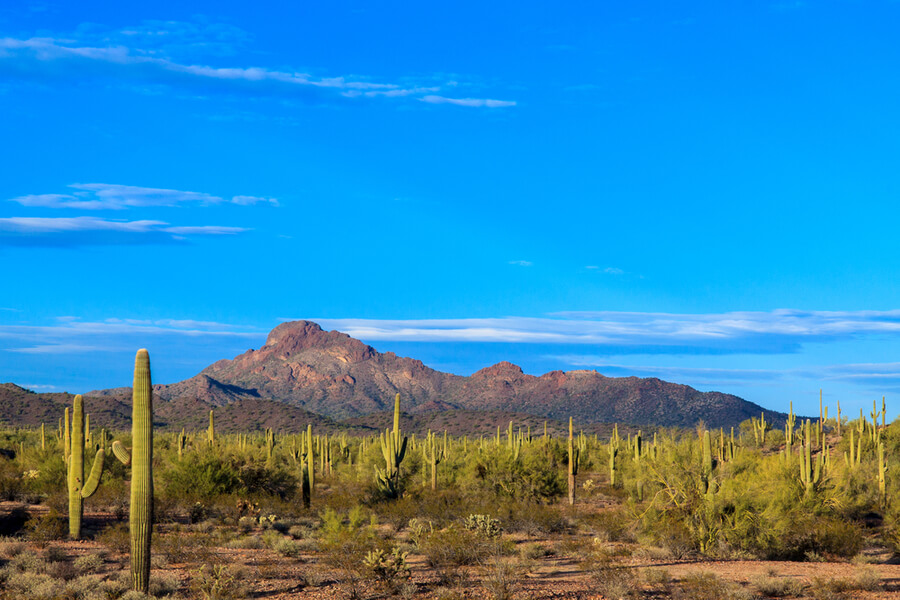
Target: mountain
x=329 y=373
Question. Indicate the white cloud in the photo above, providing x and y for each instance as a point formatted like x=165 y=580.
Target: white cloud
x=70 y=335
x=38 y=225
x=60 y=349
x=105 y=196
x=753 y=332
x=607 y=270
x=471 y=102
x=521 y=263
x=118 y=53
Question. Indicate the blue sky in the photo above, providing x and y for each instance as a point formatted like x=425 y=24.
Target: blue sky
x=702 y=192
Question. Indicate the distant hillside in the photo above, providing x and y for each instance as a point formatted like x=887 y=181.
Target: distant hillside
x=331 y=374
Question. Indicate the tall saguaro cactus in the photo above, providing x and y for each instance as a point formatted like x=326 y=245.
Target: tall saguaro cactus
x=434 y=455
x=574 y=456
x=79 y=489
x=393 y=448
x=211 y=430
x=141 y=460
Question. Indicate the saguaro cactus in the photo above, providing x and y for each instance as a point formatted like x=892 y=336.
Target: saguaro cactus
x=706 y=466
x=211 y=430
x=270 y=447
x=181 y=442
x=613 y=450
x=79 y=490
x=574 y=456
x=141 y=460
x=393 y=447
x=433 y=455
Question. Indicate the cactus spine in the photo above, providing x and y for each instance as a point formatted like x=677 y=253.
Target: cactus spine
x=574 y=456
x=79 y=489
x=141 y=460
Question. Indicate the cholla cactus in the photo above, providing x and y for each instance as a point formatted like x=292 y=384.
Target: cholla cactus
x=483 y=525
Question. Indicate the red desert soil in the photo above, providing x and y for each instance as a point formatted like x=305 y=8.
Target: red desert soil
x=274 y=577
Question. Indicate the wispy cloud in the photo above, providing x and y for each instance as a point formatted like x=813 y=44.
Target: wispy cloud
x=69 y=335
x=105 y=196
x=137 y=52
x=607 y=270
x=37 y=387
x=521 y=263
x=60 y=349
x=672 y=373
x=80 y=231
x=632 y=332
x=471 y=102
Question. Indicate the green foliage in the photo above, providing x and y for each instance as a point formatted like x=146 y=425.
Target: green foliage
x=484 y=525
x=201 y=478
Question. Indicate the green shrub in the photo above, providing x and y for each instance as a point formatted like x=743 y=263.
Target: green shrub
x=88 y=563
x=200 y=478
x=116 y=538
x=708 y=586
x=777 y=587
x=218 y=582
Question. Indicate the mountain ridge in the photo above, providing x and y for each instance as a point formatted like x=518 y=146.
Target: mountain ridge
x=331 y=374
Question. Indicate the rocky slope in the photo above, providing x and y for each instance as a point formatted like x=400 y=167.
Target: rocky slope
x=331 y=374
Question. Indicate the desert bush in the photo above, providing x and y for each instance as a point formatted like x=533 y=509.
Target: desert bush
x=249 y=542
x=9 y=549
x=55 y=554
x=218 y=582
x=200 y=478
x=84 y=588
x=502 y=579
x=46 y=528
x=11 y=481
x=388 y=569
x=116 y=538
x=777 y=587
x=614 y=581
x=287 y=547
x=454 y=547
x=530 y=477
x=34 y=586
x=163 y=584
x=88 y=563
x=535 y=550
x=345 y=542
x=708 y=586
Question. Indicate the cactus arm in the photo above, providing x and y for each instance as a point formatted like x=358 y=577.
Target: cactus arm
x=121 y=452
x=93 y=481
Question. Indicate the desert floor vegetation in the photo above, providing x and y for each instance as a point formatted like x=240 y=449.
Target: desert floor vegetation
x=801 y=511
